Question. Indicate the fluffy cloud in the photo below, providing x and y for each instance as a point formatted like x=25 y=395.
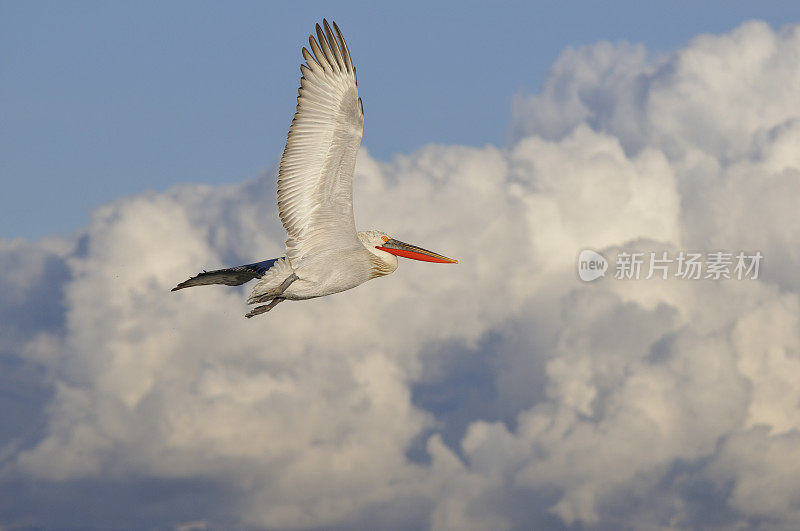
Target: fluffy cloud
x=499 y=393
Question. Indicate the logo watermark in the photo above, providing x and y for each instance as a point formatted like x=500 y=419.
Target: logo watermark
x=591 y=265
x=687 y=265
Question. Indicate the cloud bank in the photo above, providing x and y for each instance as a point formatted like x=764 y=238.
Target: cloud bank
x=502 y=393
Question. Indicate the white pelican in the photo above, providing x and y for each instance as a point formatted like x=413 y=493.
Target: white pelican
x=324 y=253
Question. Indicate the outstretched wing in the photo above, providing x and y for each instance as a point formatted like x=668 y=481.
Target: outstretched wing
x=232 y=276
x=315 y=181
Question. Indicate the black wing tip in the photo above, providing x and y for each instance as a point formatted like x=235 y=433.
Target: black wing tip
x=185 y=283
x=321 y=39
x=330 y=42
x=230 y=276
x=188 y=282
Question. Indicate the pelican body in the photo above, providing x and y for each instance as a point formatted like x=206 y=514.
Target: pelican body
x=324 y=253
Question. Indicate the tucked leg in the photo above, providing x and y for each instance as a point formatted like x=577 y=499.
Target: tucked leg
x=258 y=310
x=274 y=292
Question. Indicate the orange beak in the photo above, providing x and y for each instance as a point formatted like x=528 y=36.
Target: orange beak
x=405 y=250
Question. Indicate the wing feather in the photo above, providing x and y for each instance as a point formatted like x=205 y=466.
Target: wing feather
x=337 y=52
x=315 y=180
x=231 y=276
x=343 y=47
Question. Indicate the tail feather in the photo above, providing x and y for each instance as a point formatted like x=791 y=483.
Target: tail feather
x=232 y=276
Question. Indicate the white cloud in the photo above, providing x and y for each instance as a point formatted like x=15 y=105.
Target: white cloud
x=586 y=404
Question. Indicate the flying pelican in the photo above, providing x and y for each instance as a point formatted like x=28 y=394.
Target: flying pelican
x=324 y=253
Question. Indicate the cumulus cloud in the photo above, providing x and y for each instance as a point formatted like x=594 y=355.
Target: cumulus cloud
x=501 y=393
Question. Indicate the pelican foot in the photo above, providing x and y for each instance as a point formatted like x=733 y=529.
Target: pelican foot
x=258 y=310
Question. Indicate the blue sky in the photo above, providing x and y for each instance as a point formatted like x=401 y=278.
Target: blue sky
x=105 y=99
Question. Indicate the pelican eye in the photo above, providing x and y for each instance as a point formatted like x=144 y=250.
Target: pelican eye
x=385 y=238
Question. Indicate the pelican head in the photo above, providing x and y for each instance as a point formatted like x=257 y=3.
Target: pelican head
x=387 y=249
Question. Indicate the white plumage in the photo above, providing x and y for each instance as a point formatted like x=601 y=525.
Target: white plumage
x=315 y=182
x=324 y=253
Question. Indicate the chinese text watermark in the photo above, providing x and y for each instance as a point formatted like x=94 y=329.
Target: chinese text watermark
x=687 y=265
